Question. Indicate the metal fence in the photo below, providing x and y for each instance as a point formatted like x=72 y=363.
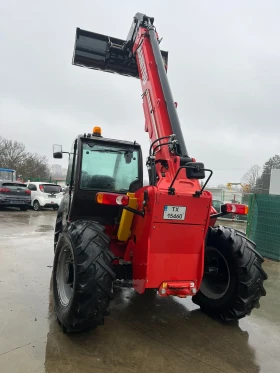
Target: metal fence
x=263 y=224
x=225 y=195
x=229 y=196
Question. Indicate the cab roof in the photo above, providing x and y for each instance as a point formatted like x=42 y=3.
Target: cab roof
x=89 y=136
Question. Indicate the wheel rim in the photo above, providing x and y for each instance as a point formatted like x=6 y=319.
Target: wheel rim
x=65 y=276
x=36 y=206
x=216 y=277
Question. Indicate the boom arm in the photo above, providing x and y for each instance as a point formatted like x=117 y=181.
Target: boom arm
x=140 y=56
x=161 y=115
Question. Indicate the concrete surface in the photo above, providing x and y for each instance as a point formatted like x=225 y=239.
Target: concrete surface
x=142 y=334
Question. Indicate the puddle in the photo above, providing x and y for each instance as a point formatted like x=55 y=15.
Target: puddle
x=44 y=228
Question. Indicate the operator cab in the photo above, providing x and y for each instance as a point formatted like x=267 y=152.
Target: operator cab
x=98 y=164
x=109 y=167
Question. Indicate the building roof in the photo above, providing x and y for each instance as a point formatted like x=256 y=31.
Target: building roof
x=7 y=169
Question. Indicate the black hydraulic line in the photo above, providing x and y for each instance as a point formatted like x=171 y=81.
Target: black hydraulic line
x=157 y=140
x=172 y=113
x=218 y=215
x=158 y=146
x=134 y=211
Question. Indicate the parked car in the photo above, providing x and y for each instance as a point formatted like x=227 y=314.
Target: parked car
x=45 y=195
x=15 y=194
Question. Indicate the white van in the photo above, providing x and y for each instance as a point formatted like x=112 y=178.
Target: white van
x=45 y=195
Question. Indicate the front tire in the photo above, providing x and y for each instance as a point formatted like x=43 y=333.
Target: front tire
x=58 y=228
x=36 y=206
x=82 y=276
x=233 y=279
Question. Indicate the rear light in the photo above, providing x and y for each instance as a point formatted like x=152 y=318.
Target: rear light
x=112 y=199
x=235 y=208
x=27 y=191
x=179 y=289
x=41 y=188
x=5 y=190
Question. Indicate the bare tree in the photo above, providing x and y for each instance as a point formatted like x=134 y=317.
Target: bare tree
x=251 y=176
x=13 y=155
x=35 y=166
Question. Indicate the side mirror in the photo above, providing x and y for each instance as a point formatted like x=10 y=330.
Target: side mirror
x=195 y=170
x=57 y=151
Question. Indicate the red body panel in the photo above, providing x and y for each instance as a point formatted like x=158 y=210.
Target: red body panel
x=164 y=250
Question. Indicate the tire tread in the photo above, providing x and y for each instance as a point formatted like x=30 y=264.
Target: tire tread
x=249 y=272
x=94 y=276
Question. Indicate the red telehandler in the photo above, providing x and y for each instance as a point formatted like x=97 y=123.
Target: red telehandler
x=161 y=236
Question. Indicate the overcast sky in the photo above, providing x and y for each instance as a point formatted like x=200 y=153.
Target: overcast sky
x=224 y=71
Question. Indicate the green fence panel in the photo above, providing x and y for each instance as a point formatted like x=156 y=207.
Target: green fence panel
x=263 y=226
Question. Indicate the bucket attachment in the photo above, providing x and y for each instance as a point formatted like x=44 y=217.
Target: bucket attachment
x=101 y=52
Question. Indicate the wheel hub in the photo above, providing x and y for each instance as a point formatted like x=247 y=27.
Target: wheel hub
x=216 y=278
x=65 y=276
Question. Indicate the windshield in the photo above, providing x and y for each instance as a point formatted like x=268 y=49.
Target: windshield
x=108 y=168
x=51 y=188
x=14 y=185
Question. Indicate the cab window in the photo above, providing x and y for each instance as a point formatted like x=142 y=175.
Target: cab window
x=108 y=168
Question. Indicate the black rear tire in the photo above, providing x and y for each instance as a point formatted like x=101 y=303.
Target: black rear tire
x=88 y=296
x=233 y=280
x=36 y=206
x=58 y=228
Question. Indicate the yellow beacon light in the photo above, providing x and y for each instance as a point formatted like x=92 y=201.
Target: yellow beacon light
x=96 y=131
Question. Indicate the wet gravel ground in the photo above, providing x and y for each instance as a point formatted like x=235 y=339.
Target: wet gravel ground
x=142 y=334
